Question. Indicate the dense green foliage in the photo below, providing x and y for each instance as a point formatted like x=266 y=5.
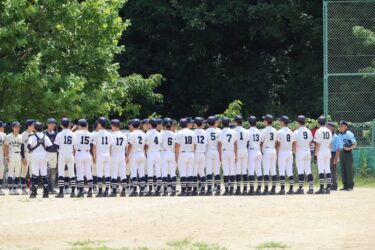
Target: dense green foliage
x=57 y=58
x=268 y=54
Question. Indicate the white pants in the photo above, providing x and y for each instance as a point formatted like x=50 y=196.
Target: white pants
x=65 y=159
x=52 y=159
x=103 y=164
x=118 y=165
x=168 y=163
x=269 y=161
x=255 y=162
x=186 y=164
x=2 y=167
x=303 y=162
x=285 y=162
x=39 y=164
x=212 y=162
x=83 y=165
x=199 y=164
x=153 y=163
x=242 y=161
x=94 y=172
x=228 y=161
x=28 y=166
x=14 y=165
x=324 y=157
x=137 y=164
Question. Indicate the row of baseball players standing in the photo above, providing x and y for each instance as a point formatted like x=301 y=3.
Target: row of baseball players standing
x=242 y=153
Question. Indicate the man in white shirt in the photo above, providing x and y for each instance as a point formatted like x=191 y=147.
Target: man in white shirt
x=284 y=146
x=323 y=140
x=2 y=155
x=37 y=146
x=255 y=157
x=267 y=144
x=242 y=156
x=118 y=162
x=83 y=157
x=186 y=142
x=65 y=141
x=168 y=157
x=137 y=158
x=102 y=142
x=228 y=154
x=26 y=160
x=153 y=148
x=199 y=157
x=301 y=147
x=212 y=156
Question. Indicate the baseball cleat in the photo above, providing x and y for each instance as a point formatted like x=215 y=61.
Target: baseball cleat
x=217 y=193
x=105 y=194
x=173 y=193
x=202 y=192
x=53 y=191
x=311 y=191
x=73 y=195
x=89 y=194
x=165 y=193
x=208 y=193
x=133 y=194
x=183 y=194
x=123 y=193
x=265 y=192
x=328 y=191
x=281 y=192
x=113 y=194
x=194 y=193
x=226 y=193
x=24 y=192
x=258 y=192
x=60 y=195
x=320 y=191
x=290 y=192
x=300 y=191
x=238 y=192
x=45 y=195
x=95 y=190
x=99 y=194
x=272 y=192
x=148 y=194
x=157 y=193
x=251 y=193
x=80 y=195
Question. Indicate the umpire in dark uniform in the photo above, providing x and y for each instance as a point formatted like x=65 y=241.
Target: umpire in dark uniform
x=347 y=143
x=50 y=132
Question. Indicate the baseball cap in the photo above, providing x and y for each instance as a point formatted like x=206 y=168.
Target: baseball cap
x=331 y=124
x=116 y=123
x=65 y=122
x=29 y=122
x=153 y=122
x=2 y=124
x=136 y=122
x=145 y=121
x=51 y=121
x=190 y=119
x=82 y=122
x=252 y=120
x=268 y=118
x=38 y=126
x=16 y=124
x=183 y=122
x=238 y=119
x=284 y=119
x=225 y=121
x=232 y=125
x=211 y=120
x=167 y=122
x=322 y=120
x=301 y=119
x=159 y=120
x=198 y=121
x=345 y=123
x=102 y=121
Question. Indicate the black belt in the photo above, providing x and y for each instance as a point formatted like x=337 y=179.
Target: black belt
x=83 y=150
x=251 y=148
x=15 y=152
x=186 y=151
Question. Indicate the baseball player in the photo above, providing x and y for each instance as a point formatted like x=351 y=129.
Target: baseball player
x=212 y=156
x=65 y=141
x=268 y=140
x=323 y=139
x=13 y=152
x=168 y=157
x=186 y=142
x=102 y=142
x=2 y=155
x=301 y=147
x=26 y=164
x=37 y=146
x=200 y=157
x=242 y=156
x=228 y=154
x=145 y=125
x=118 y=162
x=93 y=169
x=284 y=145
x=52 y=154
x=174 y=126
x=159 y=127
x=137 y=159
x=255 y=157
x=83 y=157
x=190 y=122
x=153 y=141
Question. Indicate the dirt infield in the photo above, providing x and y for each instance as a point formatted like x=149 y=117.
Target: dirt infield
x=342 y=220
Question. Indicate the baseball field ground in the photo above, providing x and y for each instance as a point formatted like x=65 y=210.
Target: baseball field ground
x=260 y=222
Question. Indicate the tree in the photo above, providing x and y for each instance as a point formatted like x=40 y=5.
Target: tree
x=57 y=58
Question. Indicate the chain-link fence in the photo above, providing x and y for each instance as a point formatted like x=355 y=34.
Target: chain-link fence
x=349 y=65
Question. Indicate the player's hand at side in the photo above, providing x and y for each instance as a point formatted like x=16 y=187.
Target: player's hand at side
x=6 y=160
x=24 y=162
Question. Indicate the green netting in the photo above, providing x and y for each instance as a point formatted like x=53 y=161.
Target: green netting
x=349 y=65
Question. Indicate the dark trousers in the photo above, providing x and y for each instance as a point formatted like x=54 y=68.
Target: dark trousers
x=333 y=171
x=347 y=171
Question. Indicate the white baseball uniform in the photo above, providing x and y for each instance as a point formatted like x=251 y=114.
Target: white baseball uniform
x=83 y=156
x=242 y=154
x=285 y=138
x=168 y=158
x=186 y=138
x=212 y=154
x=118 y=162
x=153 y=142
x=14 y=143
x=200 y=151
x=228 y=138
x=323 y=137
x=25 y=138
x=255 y=155
x=268 y=138
x=2 y=166
x=137 y=160
x=39 y=142
x=103 y=142
x=303 y=138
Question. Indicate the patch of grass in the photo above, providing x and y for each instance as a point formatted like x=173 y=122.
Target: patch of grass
x=364 y=182
x=104 y=248
x=88 y=242
x=272 y=245
x=205 y=246
x=179 y=243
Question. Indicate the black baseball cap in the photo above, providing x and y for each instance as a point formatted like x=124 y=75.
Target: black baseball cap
x=153 y=122
x=2 y=124
x=322 y=120
x=198 y=121
x=183 y=122
x=65 y=122
x=29 y=122
x=331 y=124
x=167 y=122
x=225 y=121
x=16 y=124
x=82 y=122
x=284 y=119
x=301 y=119
x=268 y=118
x=38 y=126
x=51 y=121
x=252 y=120
x=345 y=123
x=211 y=120
x=102 y=121
x=238 y=119
x=136 y=122
x=116 y=123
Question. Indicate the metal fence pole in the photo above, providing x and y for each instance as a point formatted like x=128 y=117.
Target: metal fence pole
x=373 y=134
x=325 y=58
